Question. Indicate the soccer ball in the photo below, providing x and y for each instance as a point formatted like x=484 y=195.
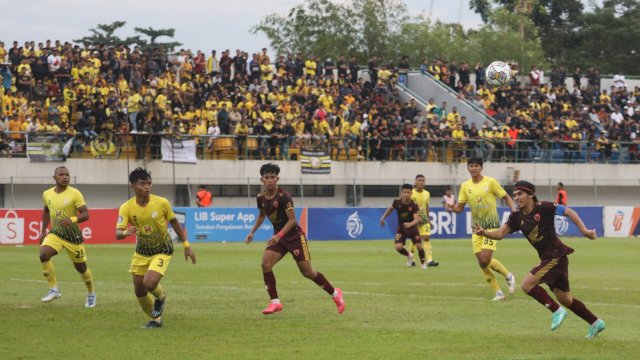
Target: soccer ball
x=498 y=73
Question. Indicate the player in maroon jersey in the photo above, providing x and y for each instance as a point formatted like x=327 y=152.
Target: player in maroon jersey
x=408 y=220
x=276 y=204
x=536 y=220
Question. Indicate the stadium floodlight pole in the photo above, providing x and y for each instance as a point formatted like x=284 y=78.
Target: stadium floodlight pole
x=173 y=163
x=13 y=205
x=301 y=193
x=248 y=191
x=189 y=190
x=355 y=195
x=128 y=172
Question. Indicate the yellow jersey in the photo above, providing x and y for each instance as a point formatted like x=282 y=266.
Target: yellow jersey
x=422 y=198
x=151 y=220
x=61 y=206
x=481 y=198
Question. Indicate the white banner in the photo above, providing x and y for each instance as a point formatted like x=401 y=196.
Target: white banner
x=181 y=151
x=11 y=229
x=618 y=221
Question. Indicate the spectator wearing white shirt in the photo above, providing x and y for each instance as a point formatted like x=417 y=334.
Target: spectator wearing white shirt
x=448 y=198
x=54 y=61
x=619 y=81
x=617 y=116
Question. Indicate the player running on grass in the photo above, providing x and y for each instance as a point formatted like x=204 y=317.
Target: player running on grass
x=65 y=208
x=276 y=204
x=536 y=220
x=408 y=220
x=421 y=196
x=481 y=192
x=146 y=216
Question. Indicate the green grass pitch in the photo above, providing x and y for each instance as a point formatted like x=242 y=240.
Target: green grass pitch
x=213 y=309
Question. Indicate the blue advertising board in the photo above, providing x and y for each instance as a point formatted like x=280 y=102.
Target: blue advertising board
x=364 y=223
x=225 y=224
x=233 y=224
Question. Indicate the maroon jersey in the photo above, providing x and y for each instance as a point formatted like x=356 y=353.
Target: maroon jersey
x=539 y=228
x=276 y=209
x=405 y=211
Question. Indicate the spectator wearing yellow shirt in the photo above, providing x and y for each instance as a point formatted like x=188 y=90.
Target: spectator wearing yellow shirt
x=384 y=74
x=134 y=106
x=161 y=101
x=458 y=142
x=266 y=72
x=310 y=67
x=453 y=118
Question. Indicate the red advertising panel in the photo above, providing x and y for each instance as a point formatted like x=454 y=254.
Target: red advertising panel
x=19 y=226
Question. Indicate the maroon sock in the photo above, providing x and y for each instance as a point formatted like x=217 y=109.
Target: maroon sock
x=270 y=284
x=421 y=254
x=543 y=298
x=579 y=309
x=324 y=283
x=403 y=251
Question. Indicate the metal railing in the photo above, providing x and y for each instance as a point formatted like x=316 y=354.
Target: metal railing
x=361 y=148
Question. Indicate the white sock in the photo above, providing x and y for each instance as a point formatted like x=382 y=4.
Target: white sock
x=54 y=289
x=335 y=293
x=275 y=301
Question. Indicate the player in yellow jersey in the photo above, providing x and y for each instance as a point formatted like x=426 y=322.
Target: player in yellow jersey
x=146 y=216
x=481 y=192
x=421 y=196
x=64 y=207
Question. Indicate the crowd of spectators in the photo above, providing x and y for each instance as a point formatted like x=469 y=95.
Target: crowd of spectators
x=567 y=116
x=297 y=101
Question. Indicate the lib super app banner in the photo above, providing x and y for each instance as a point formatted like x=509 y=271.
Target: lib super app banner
x=229 y=224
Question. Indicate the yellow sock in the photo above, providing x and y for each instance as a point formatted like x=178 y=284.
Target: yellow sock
x=412 y=249
x=491 y=279
x=146 y=303
x=427 y=250
x=497 y=266
x=87 y=277
x=49 y=272
x=158 y=292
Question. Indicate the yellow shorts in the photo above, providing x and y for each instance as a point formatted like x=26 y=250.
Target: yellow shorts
x=140 y=264
x=424 y=230
x=481 y=243
x=75 y=251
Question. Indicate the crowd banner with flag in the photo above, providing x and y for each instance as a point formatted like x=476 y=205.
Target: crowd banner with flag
x=44 y=148
x=315 y=162
x=180 y=151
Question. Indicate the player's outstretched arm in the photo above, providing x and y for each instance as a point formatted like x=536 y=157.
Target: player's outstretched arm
x=457 y=208
x=123 y=233
x=507 y=198
x=571 y=214
x=492 y=234
x=384 y=216
x=188 y=251
x=417 y=219
x=255 y=227
x=82 y=215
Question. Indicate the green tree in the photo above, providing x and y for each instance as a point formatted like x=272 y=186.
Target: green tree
x=378 y=26
x=105 y=34
x=153 y=35
x=314 y=27
x=609 y=38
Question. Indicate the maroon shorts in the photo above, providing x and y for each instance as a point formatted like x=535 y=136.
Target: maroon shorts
x=553 y=272
x=293 y=242
x=402 y=234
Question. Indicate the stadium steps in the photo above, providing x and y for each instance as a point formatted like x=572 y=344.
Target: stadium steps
x=425 y=86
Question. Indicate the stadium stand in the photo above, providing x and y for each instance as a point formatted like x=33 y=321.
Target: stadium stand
x=120 y=101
